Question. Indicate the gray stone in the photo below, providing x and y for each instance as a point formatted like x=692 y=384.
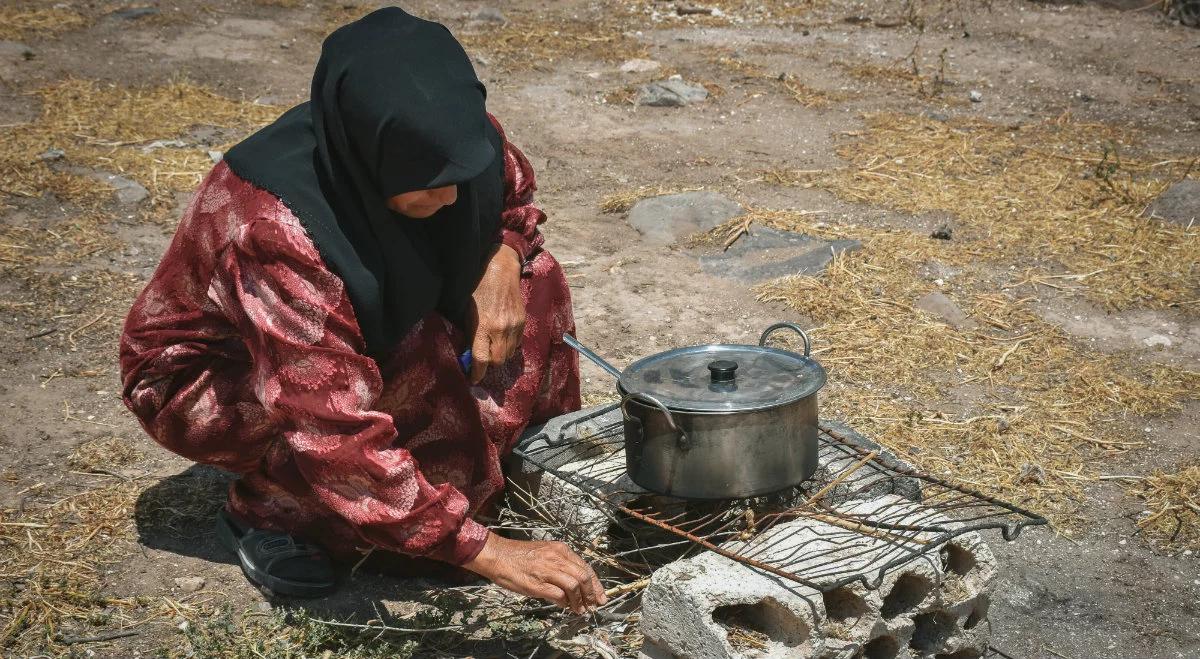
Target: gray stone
x=488 y=15
x=673 y=92
x=1178 y=204
x=216 y=156
x=941 y=306
x=52 y=154
x=639 y=66
x=134 y=13
x=128 y=191
x=976 y=96
x=666 y=219
x=190 y=584
x=767 y=253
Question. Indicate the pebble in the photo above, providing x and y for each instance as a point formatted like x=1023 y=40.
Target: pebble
x=976 y=96
x=943 y=232
x=639 y=66
x=216 y=156
x=488 y=15
x=940 y=305
x=52 y=154
x=134 y=13
x=190 y=584
x=1157 y=341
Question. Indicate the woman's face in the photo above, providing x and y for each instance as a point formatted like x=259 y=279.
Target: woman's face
x=420 y=204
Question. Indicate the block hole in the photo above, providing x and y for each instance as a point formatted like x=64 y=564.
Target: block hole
x=884 y=647
x=932 y=630
x=961 y=654
x=908 y=591
x=978 y=614
x=844 y=605
x=958 y=560
x=760 y=625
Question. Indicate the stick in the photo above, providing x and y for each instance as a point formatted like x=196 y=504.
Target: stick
x=45 y=332
x=627 y=588
x=71 y=336
x=1009 y=352
x=107 y=636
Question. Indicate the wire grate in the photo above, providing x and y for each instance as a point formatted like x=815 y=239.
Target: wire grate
x=863 y=515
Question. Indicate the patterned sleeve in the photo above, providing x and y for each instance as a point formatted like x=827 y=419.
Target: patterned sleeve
x=520 y=218
x=311 y=376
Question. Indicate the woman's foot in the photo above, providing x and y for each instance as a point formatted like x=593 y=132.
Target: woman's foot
x=277 y=561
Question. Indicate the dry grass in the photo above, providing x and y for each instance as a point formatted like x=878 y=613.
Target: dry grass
x=1173 y=504
x=780 y=83
x=1020 y=391
x=109 y=128
x=103 y=453
x=1059 y=191
x=533 y=42
x=19 y=22
x=621 y=202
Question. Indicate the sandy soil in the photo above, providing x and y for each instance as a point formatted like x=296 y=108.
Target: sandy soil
x=1102 y=593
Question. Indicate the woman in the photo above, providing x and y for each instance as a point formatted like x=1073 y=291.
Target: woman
x=308 y=326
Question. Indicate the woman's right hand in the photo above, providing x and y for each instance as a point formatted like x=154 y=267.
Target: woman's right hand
x=546 y=570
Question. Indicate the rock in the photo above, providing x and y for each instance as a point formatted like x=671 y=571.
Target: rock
x=1031 y=473
x=164 y=144
x=943 y=232
x=938 y=304
x=216 y=156
x=976 y=96
x=673 y=92
x=768 y=254
x=1157 y=341
x=666 y=219
x=488 y=15
x=134 y=13
x=190 y=584
x=52 y=154
x=128 y=191
x=1178 y=204
x=639 y=66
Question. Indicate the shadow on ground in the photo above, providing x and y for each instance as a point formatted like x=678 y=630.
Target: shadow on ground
x=177 y=515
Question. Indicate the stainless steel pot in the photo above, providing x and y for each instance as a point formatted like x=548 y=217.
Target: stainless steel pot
x=720 y=421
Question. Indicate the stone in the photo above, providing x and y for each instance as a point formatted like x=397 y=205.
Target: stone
x=666 y=219
x=134 y=13
x=943 y=232
x=1031 y=473
x=1178 y=204
x=673 y=92
x=127 y=191
x=164 y=144
x=488 y=15
x=216 y=156
x=639 y=66
x=976 y=96
x=941 y=306
x=52 y=154
x=190 y=584
x=1157 y=341
x=767 y=253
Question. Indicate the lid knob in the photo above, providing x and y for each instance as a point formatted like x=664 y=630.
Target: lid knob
x=722 y=370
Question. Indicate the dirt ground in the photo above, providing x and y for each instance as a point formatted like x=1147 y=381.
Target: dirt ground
x=113 y=520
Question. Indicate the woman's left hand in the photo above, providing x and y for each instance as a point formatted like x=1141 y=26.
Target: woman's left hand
x=497 y=312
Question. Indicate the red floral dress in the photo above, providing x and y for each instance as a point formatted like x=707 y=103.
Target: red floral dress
x=243 y=352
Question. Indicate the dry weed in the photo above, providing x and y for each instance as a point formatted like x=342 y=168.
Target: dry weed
x=1173 y=504
x=18 y=22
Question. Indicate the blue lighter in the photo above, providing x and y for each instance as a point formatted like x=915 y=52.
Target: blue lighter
x=464 y=361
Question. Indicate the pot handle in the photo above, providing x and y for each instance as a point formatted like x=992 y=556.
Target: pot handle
x=683 y=441
x=762 y=340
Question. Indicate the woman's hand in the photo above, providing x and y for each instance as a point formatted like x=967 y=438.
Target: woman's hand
x=498 y=312
x=546 y=570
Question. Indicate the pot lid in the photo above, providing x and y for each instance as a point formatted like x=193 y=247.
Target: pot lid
x=724 y=378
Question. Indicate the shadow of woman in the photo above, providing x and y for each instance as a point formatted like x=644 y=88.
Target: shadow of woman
x=178 y=514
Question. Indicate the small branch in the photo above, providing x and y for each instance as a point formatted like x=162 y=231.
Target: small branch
x=107 y=636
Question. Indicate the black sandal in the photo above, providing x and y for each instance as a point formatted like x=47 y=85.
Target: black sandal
x=277 y=561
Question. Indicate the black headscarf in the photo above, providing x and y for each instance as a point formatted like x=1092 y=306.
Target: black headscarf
x=395 y=107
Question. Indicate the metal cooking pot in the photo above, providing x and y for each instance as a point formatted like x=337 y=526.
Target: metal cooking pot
x=720 y=421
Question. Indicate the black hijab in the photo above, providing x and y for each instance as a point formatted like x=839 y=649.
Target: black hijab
x=395 y=107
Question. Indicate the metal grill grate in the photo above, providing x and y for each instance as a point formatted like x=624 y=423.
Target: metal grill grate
x=865 y=512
